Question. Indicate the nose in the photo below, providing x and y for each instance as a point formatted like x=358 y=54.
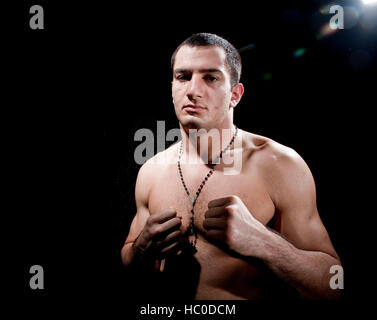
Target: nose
x=195 y=88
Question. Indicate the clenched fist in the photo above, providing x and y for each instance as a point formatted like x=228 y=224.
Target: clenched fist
x=228 y=222
x=160 y=235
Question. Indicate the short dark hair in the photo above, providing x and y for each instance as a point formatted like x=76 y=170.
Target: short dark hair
x=233 y=58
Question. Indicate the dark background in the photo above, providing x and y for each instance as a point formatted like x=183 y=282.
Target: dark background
x=80 y=89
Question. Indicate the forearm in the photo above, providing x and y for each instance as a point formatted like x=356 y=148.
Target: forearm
x=128 y=254
x=134 y=257
x=307 y=271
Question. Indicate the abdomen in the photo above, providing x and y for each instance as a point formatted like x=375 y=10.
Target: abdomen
x=225 y=277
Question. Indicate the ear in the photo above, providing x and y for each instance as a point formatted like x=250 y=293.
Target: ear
x=237 y=92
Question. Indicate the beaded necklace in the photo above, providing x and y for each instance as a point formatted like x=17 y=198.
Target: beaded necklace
x=193 y=199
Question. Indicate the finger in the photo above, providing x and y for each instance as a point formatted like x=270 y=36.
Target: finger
x=170 y=247
x=170 y=237
x=216 y=235
x=171 y=224
x=164 y=215
x=170 y=251
x=220 y=202
x=160 y=231
x=215 y=223
x=215 y=212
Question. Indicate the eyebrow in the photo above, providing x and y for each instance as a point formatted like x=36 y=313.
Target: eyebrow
x=208 y=70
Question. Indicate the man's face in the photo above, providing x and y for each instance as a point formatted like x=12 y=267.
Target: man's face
x=201 y=87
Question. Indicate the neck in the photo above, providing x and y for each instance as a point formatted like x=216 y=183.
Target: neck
x=206 y=145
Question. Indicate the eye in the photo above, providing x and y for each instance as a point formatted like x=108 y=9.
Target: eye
x=183 y=77
x=211 y=78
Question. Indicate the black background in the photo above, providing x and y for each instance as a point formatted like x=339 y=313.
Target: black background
x=79 y=89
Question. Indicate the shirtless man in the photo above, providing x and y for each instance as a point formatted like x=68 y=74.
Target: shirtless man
x=235 y=251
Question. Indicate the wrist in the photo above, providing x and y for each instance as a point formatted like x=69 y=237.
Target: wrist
x=138 y=248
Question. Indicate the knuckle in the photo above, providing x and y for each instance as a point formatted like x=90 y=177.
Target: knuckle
x=234 y=198
x=230 y=209
x=226 y=235
x=153 y=231
x=157 y=229
x=151 y=220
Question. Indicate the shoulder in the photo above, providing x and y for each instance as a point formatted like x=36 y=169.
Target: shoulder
x=271 y=155
x=285 y=172
x=161 y=160
x=151 y=170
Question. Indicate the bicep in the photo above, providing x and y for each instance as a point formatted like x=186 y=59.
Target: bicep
x=300 y=221
x=137 y=224
x=141 y=198
x=303 y=227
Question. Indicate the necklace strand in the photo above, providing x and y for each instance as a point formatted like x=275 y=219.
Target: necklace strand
x=193 y=199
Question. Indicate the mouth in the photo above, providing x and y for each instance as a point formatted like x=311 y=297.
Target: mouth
x=192 y=108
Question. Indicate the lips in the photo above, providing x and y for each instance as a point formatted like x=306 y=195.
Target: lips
x=192 y=107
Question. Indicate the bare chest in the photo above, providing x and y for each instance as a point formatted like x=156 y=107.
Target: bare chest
x=168 y=191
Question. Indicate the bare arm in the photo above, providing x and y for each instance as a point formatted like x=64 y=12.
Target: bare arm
x=151 y=236
x=129 y=252
x=304 y=254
